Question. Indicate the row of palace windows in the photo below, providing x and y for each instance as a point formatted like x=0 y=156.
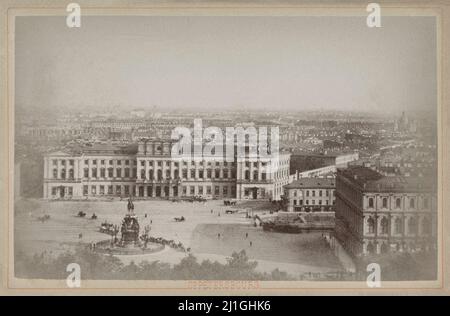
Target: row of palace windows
x=412 y=223
x=319 y=193
x=184 y=174
x=127 y=189
x=109 y=189
x=184 y=163
x=398 y=203
x=63 y=162
x=127 y=162
x=255 y=175
x=313 y=202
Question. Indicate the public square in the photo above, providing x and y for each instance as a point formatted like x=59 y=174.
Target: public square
x=208 y=231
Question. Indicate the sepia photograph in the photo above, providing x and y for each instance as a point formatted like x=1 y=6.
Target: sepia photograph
x=224 y=148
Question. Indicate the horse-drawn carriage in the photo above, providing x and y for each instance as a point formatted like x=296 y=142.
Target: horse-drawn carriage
x=179 y=219
x=229 y=202
x=81 y=214
x=109 y=228
x=231 y=211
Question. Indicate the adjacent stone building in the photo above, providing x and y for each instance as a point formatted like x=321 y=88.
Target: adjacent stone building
x=379 y=214
x=310 y=195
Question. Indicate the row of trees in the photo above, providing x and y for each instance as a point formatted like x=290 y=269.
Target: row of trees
x=98 y=266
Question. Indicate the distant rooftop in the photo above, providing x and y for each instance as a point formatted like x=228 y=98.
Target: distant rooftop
x=317 y=183
x=370 y=180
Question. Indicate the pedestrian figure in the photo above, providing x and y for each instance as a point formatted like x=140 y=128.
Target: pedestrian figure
x=151 y=221
x=145 y=215
x=218 y=235
x=211 y=211
x=246 y=235
x=251 y=244
x=80 y=235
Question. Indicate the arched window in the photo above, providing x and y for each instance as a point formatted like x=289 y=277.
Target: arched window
x=370 y=247
x=426 y=226
x=385 y=203
x=371 y=202
x=412 y=226
x=398 y=226
x=412 y=203
x=370 y=225
x=398 y=203
x=384 y=225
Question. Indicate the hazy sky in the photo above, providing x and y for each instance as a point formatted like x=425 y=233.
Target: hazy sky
x=227 y=63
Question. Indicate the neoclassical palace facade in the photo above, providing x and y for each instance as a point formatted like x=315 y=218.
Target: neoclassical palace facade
x=378 y=214
x=147 y=170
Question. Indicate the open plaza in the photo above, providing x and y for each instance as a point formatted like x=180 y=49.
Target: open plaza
x=208 y=231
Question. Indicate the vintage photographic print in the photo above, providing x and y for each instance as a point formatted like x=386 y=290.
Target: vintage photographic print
x=224 y=149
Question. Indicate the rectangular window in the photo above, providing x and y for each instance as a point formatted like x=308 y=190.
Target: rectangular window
x=119 y=173
x=53 y=191
x=93 y=190
x=70 y=191
x=200 y=190
x=102 y=173
x=110 y=189
x=127 y=189
x=216 y=190
x=94 y=172
x=85 y=190
x=208 y=189
x=225 y=191
x=118 y=189
x=127 y=172
x=102 y=189
x=192 y=190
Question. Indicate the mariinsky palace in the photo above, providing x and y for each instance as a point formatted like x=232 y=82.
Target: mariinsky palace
x=147 y=169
